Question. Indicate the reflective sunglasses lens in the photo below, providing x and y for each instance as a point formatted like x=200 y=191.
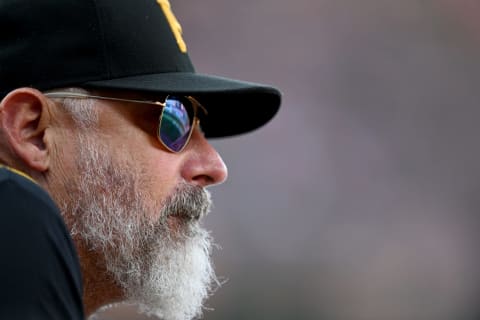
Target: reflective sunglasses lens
x=176 y=123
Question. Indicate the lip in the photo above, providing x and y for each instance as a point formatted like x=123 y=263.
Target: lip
x=178 y=224
x=188 y=216
x=175 y=222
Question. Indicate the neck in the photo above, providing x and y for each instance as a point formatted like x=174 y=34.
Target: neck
x=99 y=287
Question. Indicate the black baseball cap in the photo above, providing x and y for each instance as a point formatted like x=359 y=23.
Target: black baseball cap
x=120 y=44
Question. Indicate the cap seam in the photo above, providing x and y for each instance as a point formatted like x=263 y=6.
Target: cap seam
x=103 y=39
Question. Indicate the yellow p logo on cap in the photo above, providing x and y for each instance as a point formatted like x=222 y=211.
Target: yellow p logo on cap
x=174 y=24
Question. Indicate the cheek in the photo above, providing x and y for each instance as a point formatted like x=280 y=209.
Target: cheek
x=135 y=144
x=161 y=172
x=63 y=156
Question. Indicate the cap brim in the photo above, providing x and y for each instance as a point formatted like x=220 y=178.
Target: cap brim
x=233 y=106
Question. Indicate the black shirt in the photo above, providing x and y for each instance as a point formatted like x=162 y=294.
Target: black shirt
x=40 y=274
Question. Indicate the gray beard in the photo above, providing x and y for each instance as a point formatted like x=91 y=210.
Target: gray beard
x=166 y=271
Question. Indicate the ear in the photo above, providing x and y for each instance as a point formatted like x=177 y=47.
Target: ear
x=24 y=116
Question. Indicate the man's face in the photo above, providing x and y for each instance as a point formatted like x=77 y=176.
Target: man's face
x=138 y=208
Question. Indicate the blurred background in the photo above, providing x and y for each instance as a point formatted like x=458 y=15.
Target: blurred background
x=359 y=200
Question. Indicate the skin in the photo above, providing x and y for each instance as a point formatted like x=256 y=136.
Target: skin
x=36 y=138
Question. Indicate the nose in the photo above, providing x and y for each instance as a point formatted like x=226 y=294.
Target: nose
x=204 y=166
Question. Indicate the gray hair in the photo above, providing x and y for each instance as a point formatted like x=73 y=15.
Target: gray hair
x=82 y=111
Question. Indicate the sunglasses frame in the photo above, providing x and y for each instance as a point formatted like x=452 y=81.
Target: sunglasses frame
x=195 y=105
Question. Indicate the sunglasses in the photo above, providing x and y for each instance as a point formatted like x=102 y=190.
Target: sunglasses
x=175 y=124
